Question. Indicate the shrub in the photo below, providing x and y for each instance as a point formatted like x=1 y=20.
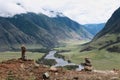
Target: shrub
x=71 y=67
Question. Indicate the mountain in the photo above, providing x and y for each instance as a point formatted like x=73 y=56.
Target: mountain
x=109 y=37
x=79 y=29
x=36 y=31
x=94 y=28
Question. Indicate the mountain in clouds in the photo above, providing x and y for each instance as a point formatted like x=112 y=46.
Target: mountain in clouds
x=94 y=28
x=38 y=30
x=109 y=37
x=22 y=7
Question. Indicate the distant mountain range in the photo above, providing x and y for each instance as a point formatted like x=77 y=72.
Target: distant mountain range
x=109 y=37
x=94 y=28
x=38 y=30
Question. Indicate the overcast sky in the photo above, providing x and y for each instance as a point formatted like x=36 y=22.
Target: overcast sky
x=82 y=11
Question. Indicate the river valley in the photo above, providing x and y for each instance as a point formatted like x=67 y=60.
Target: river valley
x=60 y=61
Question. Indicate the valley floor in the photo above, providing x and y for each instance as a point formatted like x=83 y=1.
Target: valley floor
x=106 y=65
x=101 y=59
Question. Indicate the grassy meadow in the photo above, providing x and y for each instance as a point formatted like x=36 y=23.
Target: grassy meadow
x=15 y=55
x=101 y=59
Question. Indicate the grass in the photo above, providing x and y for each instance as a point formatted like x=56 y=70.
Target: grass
x=15 y=55
x=109 y=38
x=101 y=59
x=71 y=44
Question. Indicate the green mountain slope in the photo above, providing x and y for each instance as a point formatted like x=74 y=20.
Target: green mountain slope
x=109 y=37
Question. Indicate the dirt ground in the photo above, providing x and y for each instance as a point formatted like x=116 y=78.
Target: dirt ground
x=16 y=69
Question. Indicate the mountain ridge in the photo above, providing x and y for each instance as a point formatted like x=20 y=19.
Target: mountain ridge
x=38 y=30
x=94 y=28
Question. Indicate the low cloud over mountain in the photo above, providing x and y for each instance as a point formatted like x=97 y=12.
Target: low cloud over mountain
x=82 y=11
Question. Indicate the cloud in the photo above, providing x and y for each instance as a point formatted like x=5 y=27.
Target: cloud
x=82 y=11
x=10 y=8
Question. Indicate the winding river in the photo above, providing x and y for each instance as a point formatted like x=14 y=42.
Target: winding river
x=60 y=61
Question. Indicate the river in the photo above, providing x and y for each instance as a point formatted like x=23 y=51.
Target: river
x=60 y=61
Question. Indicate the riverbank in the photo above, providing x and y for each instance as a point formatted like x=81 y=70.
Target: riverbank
x=60 y=62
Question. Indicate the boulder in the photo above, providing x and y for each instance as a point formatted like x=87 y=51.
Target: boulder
x=88 y=68
x=46 y=75
x=53 y=69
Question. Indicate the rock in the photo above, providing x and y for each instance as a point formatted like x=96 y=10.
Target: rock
x=75 y=78
x=53 y=69
x=46 y=75
x=115 y=78
x=99 y=78
x=105 y=72
x=22 y=66
x=56 y=73
x=36 y=65
x=88 y=68
x=45 y=66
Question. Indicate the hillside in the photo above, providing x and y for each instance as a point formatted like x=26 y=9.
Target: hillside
x=16 y=69
x=109 y=37
x=36 y=31
x=112 y=26
x=94 y=28
x=79 y=29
